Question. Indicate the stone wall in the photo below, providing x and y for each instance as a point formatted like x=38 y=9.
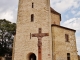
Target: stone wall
x=60 y=46
x=55 y=18
x=25 y=44
x=2 y=58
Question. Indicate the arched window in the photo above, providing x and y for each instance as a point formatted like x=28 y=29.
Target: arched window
x=32 y=56
x=32 y=17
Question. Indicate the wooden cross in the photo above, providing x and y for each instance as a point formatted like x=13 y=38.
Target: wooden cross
x=39 y=35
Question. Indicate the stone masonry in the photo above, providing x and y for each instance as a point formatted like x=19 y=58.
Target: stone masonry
x=53 y=46
x=25 y=44
x=60 y=46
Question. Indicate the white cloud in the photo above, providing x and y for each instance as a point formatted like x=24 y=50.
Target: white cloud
x=78 y=41
x=78 y=14
x=67 y=16
x=73 y=23
x=73 y=12
x=8 y=10
x=63 y=5
x=7 y=15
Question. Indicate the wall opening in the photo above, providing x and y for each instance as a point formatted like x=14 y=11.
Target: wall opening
x=32 y=5
x=32 y=17
x=32 y=56
x=67 y=37
x=68 y=56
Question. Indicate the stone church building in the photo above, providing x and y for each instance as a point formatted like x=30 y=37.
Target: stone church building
x=39 y=35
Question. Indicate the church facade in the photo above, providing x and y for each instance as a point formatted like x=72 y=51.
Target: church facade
x=39 y=35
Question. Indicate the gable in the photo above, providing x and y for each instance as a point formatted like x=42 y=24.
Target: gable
x=55 y=12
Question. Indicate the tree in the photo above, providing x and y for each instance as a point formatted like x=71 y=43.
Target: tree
x=7 y=32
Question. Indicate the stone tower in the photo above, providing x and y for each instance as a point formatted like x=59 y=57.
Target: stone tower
x=39 y=35
x=33 y=33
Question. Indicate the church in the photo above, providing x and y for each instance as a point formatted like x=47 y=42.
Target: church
x=39 y=35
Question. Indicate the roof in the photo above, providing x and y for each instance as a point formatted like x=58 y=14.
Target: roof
x=52 y=10
x=55 y=12
x=63 y=27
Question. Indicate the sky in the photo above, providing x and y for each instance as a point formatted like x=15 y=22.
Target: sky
x=69 y=10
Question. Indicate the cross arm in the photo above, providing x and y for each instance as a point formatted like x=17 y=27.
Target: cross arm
x=35 y=35
x=45 y=34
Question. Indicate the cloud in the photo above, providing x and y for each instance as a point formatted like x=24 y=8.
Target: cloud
x=8 y=10
x=78 y=14
x=73 y=23
x=8 y=15
x=78 y=42
x=73 y=12
x=63 y=5
x=67 y=16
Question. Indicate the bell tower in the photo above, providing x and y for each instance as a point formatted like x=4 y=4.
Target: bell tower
x=33 y=34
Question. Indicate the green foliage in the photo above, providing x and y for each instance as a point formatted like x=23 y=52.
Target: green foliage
x=6 y=25
x=7 y=30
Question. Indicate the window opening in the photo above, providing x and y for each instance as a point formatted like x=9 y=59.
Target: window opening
x=67 y=37
x=32 y=17
x=32 y=57
x=68 y=56
x=32 y=5
x=30 y=35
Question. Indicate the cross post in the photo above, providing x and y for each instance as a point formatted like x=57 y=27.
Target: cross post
x=39 y=35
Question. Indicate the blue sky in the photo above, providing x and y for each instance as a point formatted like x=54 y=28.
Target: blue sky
x=69 y=9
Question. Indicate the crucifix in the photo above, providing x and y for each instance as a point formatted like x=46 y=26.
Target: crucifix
x=39 y=35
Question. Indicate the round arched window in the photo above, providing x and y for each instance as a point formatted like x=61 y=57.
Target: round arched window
x=32 y=56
